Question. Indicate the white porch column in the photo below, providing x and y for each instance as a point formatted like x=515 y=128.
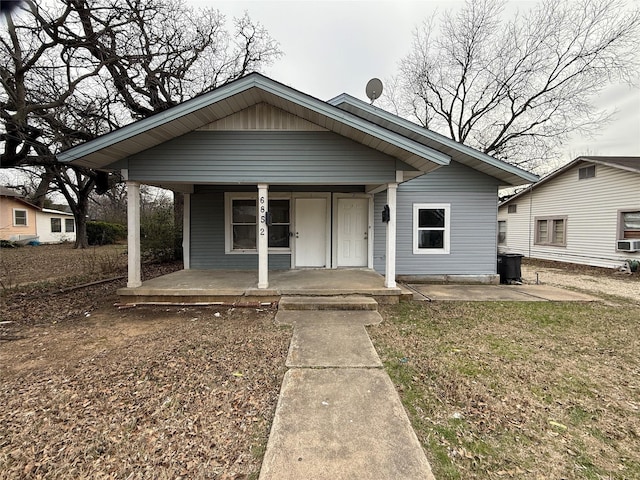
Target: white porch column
x=263 y=236
x=133 y=235
x=186 y=232
x=390 y=266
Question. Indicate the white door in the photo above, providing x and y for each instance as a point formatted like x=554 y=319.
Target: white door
x=353 y=231
x=311 y=232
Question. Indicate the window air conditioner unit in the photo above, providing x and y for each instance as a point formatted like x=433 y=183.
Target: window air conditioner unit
x=629 y=245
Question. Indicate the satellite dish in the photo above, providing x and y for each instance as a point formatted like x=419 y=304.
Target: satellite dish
x=374 y=89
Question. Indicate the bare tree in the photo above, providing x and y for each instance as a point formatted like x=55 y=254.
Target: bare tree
x=516 y=87
x=71 y=70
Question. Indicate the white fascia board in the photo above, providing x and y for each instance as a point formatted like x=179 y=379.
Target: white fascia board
x=238 y=86
x=607 y=164
x=431 y=135
x=56 y=212
x=365 y=126
x=146 y=124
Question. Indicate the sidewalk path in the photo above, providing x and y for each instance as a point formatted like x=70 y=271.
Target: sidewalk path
x=338 y=415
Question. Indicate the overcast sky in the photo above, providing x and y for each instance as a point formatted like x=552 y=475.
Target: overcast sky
x=334 y=47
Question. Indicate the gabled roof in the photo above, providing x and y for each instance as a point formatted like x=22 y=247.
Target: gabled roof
x=507 y=173
x=8 y=192
x=344 y=115
x=19 y=198
x=56 y=212
x=234 y=97
x=630 y=164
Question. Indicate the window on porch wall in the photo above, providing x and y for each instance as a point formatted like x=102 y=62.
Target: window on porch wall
x=244 y=224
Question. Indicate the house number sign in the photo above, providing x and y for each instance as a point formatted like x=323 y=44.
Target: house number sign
x=263 y=218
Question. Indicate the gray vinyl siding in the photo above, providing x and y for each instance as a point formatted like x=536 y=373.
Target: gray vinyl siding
x=200 y=189
x=273 y=157
x=208 y=236
x=473 y=197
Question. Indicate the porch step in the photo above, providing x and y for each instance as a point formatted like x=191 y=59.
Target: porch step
x=327 y=303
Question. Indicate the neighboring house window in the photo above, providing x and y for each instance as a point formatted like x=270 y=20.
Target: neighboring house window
x=19 y=218
x=431 y=228
x=512 y=208
x=69 y=225
x=243 y=224
x=56 y=225
x=551 y=231
x=502 y=232
x=587 y=172
x=629 y=224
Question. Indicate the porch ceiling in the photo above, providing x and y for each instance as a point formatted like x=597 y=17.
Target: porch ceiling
x=235 y=97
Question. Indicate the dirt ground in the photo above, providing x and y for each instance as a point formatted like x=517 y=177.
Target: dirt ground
x=595 y=280
x=88 y=390
x=91 y=391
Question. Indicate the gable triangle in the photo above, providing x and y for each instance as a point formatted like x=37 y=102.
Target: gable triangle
x=262 y=116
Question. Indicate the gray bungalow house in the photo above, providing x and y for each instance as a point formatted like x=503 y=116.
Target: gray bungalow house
x=275 y=179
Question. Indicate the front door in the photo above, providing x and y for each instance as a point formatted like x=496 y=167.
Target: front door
x=310 y=232
x=353 y=231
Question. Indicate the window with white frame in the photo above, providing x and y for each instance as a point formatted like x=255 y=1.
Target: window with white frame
x=242 y=223
x=19 y=218
x=431 y=228
x=551 y=231
x=513 y=208
x=502 y=232
x=56 y=225
x=69 y=225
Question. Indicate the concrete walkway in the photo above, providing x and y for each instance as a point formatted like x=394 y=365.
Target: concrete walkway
x=488 y=293
x=339 y=415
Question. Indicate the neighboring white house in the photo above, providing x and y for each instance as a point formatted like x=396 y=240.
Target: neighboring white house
x=586 y=212
x=21 y=221
x=55 y=226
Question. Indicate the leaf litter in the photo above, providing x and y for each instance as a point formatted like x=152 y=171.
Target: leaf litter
x=88 y=390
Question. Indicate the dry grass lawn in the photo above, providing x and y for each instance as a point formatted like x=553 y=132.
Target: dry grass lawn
x=519 y=390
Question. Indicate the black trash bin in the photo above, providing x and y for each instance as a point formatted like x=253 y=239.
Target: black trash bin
x=509 y=267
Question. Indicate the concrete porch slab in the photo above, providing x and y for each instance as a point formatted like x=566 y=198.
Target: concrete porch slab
x=342 y=423
x=241 y=286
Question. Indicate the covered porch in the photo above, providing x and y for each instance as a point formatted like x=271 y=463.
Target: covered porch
x=240 y=287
